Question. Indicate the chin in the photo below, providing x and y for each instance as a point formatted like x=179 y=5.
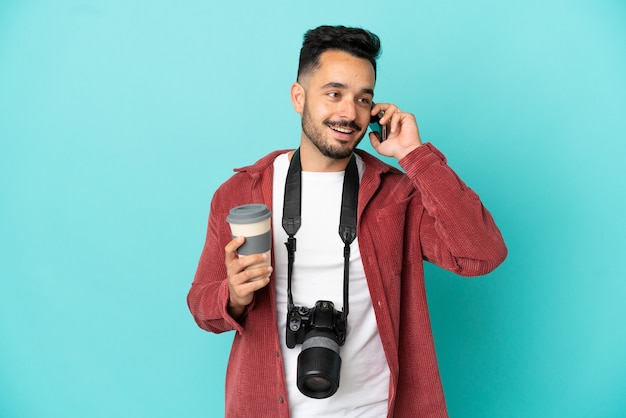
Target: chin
x=340 y=152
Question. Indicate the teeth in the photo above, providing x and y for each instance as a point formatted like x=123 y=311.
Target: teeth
x=342 y=130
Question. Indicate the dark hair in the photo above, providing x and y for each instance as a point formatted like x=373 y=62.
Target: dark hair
x=356 y=41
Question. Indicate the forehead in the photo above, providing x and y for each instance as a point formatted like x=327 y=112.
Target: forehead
x=341 y=67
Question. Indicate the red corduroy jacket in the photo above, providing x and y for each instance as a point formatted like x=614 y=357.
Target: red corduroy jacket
x=426 y=213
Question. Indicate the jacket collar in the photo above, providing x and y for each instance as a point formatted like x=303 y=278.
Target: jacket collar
x=373 y=166
x=370 y=181
x=257 y=168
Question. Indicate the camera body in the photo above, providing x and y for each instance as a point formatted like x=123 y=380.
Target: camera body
x=323 y=319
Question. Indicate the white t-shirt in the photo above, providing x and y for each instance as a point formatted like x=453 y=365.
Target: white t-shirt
x=318 y=275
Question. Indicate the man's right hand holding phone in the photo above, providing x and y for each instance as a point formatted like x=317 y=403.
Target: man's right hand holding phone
x=401 y=128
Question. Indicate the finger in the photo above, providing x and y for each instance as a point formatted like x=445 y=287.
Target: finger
x=240 y=284
x=382 y=108
x=254 y=285
x=258 y=268
x=377 y=109
x=400 y=118
x=374 y=140
x=389 y=111
x=231 y=248
x=241 y=263
x=394 y=123
x=251 y=267
x=257 y=273
x=251 y=260
x=250 y=275
x=244 y=292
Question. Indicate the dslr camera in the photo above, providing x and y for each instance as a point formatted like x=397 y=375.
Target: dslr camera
x=320 y=330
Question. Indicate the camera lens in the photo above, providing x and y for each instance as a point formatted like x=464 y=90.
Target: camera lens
x=319 y=365
x=317 y=384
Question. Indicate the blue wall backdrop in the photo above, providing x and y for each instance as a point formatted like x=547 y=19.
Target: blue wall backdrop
x=118 y=120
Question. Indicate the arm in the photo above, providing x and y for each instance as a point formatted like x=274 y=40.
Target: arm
x=223 y=288
x=456 y=231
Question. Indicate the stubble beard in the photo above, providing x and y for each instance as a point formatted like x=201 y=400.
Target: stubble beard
x=316 y=134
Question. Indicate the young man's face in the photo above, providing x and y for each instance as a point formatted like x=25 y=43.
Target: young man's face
x=337 y=103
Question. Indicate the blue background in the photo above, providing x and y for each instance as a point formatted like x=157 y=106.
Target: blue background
x=119 y=119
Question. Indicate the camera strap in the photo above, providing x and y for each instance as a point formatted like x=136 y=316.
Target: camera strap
x=292 y=220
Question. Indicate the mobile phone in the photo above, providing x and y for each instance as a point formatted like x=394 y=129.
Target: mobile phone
x=379 y=130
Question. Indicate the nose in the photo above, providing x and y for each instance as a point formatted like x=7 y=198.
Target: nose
x=347 y=109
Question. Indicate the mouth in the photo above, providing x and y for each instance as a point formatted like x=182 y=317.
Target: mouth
x=341 y=130
x=344 y=129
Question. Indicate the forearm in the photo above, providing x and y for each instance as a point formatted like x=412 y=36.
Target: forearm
x=208 y=298
x=458 y=233
x=204 y=301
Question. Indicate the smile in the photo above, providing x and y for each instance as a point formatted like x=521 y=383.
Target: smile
x=340 y=129
x=343 y=127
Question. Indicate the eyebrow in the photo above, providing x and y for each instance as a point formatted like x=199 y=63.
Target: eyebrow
x=337 y=85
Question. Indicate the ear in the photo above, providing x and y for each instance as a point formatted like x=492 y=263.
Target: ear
x=298 y=96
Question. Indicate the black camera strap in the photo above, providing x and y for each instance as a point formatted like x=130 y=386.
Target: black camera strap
x=292 y=220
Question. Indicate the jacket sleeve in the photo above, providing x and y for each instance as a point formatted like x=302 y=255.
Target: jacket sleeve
x=457 y=232
x=208 y=297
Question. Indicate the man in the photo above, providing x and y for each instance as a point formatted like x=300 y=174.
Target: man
x=388 y=363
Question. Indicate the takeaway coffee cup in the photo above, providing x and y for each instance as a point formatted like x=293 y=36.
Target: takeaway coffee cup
x=252 y=221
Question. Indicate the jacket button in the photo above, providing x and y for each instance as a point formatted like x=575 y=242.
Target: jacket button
x=280 y=399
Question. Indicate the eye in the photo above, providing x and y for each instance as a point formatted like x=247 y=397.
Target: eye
x=366 y=101
x=333 y=94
